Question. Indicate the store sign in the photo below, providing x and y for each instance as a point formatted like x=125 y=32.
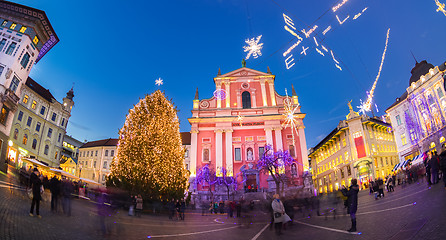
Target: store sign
x=248 y=124
x=360 y=148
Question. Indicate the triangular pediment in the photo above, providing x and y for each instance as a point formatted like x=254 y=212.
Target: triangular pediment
x=244 y=72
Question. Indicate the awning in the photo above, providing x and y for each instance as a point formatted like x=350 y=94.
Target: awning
x=35 y=162
x=63 y=173
x=90 y=181
x=399 y=165
x=418 y=159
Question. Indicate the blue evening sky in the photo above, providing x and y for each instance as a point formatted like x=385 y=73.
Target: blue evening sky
x=114 y=50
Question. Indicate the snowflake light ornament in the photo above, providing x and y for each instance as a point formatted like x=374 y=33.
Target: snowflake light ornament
x=253 y=48
x=159 y=82
x=290 y=118
x=441 y=7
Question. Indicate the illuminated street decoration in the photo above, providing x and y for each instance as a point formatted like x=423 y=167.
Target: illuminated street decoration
x=288 y=63
x=441 y=7
x=159 y=82
x=359 y=14
x=220 y=94
x=334 y=59
x=240 y=119
x=335 y=8
x=253 y=48
x=307 y=34
x=290 y=118
x=339 y=67
x=325 y=49
x=304 y=50
x=342 y=22
x=315 y=41
x=326 y=30
x=320 y=52
x=291 y=48
x=367 y=105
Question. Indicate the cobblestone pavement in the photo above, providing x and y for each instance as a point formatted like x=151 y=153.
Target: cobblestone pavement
x=413 y=212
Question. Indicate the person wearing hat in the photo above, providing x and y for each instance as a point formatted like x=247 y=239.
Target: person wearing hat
x=36 y=184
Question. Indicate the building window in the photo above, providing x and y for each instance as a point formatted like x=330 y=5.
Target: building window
x=35 y=40
x=50 y=132
x=246 y=99
x=1 y=67
x=112 y=153
x=94 y=164
x=2 y=43
x=88 y=153
x=403 y=139
x=16 y=133
x=4 y=115
x=91 y=153
x=105 y=165
x=291 y=150
x=237 y=154
x=33 y=105
x=25 y=60
x=22 y=29
x=96 y=153
x=398 y=120
x=14 y=84
x=58 y=139
x=30 y=120
x=42 y=110
x=20 y=116
x=25 y=99
x=38 y=127
x=4 y=23
x=261 y=152
x=46 y=150
x=13 y=25
x=55 y=155
x=106 y=153
x=11 y=48
x=63 y=122
x=53 y=118
x=103 y=178
x=34 y=143
x=206 y=155
x=349 y=170
x=25 y=139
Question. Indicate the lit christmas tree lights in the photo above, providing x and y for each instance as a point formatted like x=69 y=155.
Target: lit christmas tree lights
x=150 y=154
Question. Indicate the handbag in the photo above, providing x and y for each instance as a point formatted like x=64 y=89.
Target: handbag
x=277 y=214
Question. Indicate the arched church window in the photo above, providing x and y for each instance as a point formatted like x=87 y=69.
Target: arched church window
x=246 y=99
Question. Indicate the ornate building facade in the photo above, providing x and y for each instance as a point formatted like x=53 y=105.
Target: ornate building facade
x=359 y=147
x=26 y=35
x=230 y=130
x=418 y=117
x=39 y=125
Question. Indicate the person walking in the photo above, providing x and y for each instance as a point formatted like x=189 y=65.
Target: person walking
x=36 y=185
x=435 y=167
x=55 y=191
x=171 y=208
x=279 y=214
x=177 y=208
x=67 y=190
x=352 y=202
x=381 y=187
x=443 y=164
x=182 y=208
x=427 y=165
x=139 y=203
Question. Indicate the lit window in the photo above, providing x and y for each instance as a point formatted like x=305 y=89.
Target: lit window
x=25 y=99
x=13 y=25
x=344 y=142
x=35 y=40
x=33 y=105
x=4 y=115
x=4 y=23
x=22 y=29
x=403 y=139
x=25 y=139
x=16 y=133
x=55 y=155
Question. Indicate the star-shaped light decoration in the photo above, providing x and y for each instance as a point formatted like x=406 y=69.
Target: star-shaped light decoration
x=240 y=119
x=441 y=7
x=290 y=118
x=159 y=82
x=253 y=47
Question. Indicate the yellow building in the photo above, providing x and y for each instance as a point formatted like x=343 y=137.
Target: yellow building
x=359 y=147
x=69 y=166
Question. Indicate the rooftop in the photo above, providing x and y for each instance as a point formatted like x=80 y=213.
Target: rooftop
x=37 y=88
x=101 y=143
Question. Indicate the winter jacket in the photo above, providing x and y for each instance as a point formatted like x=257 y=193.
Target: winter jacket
x=278 y=207
x=442 y=160
x=352 y=198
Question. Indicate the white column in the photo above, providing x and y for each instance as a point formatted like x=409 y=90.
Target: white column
x=263 y=89
x=272 y=93
x=278 y=133
x=303 y=149
x=228 y=92
x=193 y=153
x=253 y=97
x=218 y=151
x=229 y=166
x=239 y=100
x=269 y=136
x=218 y=99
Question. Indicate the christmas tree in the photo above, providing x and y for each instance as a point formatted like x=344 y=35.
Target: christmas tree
x=150 y=156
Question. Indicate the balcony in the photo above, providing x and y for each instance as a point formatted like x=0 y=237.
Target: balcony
x=8 y=97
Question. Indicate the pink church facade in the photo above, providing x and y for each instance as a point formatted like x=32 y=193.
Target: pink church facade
x=230 y=130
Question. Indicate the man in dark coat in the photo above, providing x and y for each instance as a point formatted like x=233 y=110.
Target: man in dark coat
x=435 y=166
x=55 y=191
x=443 y=163
x=352 y=202
x=36 y=183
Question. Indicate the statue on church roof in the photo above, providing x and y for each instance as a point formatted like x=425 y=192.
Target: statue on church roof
x=243 y=63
